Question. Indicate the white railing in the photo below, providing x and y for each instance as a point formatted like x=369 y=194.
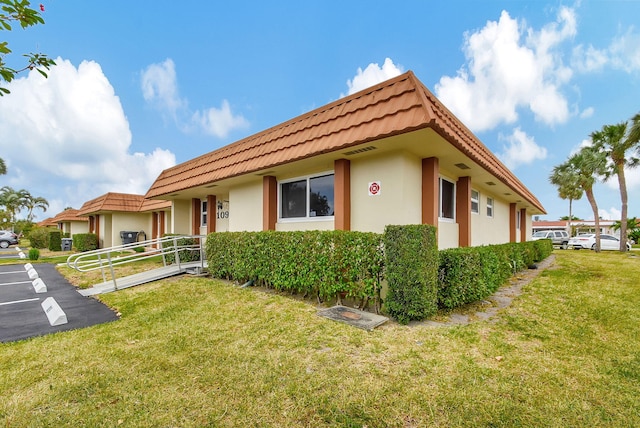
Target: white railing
x=168 y=247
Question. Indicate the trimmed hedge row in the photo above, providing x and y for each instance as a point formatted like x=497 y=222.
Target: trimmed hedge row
x=470 y=274
x=85 y=241
x=322 y=263
x=411 y=267
x=328 y=264
x=55 y=240
x=187 y=249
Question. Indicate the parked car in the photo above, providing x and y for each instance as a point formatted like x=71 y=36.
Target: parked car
x=8 y=238
x=588 y=241
x=558 y=237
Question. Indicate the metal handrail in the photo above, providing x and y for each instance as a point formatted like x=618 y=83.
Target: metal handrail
x=107 y=258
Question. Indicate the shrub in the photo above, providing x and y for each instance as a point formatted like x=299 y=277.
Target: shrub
x=411 y=267
x=85 y=241
x=187 y=249
x=55 y=240
x=34 y=254
x=322 y=263
x=39 y=237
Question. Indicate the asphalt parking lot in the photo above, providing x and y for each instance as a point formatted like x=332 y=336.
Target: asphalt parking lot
x=21 y=312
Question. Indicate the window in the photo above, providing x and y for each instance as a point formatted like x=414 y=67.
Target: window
x=447 y=199
x=489 y=207
x=475 y=201
x=517 y=219
x=203 y=213
x=307 y=197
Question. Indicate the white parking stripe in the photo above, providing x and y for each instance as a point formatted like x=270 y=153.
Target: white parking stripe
x=13 y=271
x=14 y=283
x=18 y=301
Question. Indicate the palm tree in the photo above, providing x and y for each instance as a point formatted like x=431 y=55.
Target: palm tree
x=33 y=202
x=614 y=141
x=13 y=201
x=566 y=180
x=3 y=167
x=585 y=166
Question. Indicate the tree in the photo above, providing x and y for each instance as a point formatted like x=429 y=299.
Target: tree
x=20 y=11
x=13 y=201
x=3 y=167
x=33 y=202
x=614 y=141
x=566 y=180
x=585 y=166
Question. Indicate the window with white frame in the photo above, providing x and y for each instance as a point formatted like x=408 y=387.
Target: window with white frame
x=475 y=202
x=203 y=213
x=489 y=207
x=518 y=219
x=447 y=199
x=307 y=197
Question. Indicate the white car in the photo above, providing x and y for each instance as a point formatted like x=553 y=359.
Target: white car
x=588 y=241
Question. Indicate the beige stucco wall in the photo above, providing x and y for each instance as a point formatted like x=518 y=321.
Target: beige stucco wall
x=78 y=227
x=106 y=239
x=447 y=234
x=245 y=207
x=399 y=200
x=305 y=225
x=134 y=222
x=180 y=221
x=221 y=217
x=490 y=230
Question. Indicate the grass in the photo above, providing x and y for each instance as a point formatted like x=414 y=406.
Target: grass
x=200 y=352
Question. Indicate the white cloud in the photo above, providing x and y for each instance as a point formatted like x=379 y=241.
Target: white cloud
x=372 y=75
x=66 y=138
x=218 y=122
x=160 y=89
x=611 y=214
x=625 y=51
x=586 y=113
x=520 y=149
x=511 y=66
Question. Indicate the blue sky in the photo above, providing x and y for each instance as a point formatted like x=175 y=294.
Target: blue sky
x=141 y=86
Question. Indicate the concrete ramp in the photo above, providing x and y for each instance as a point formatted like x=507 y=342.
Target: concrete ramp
x=142 y=278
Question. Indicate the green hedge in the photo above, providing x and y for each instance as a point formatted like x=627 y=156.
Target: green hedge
x=187 y=249
x=470 y=274
x=322 y=263
x=55 y=240
x=39 y=237
x=85 y=241
x=411 y=267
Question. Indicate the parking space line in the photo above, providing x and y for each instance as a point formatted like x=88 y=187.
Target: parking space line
x=18 y=301
x=13 y=271
x=18 y=282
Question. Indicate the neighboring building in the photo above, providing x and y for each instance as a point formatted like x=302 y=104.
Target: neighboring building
x=391 y=154
x=113 y=213
x=68 y=221
x=577 y=226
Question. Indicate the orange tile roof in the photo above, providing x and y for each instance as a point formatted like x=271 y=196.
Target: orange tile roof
x=396 y=106
x=122 y=202
x=69 y=215
x=47 y=222
x=154 y=205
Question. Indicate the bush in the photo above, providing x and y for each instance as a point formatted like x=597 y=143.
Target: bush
x=85 y=241
x=34 y=254
x=39 y=237
x=187 y=249
x=411 y=268
x=322 y=263
x=470 y=274
x=55 y=240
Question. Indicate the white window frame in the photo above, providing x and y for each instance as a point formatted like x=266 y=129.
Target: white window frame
x=203 y=213
x=489 y=207
x=307 y=216
x=475 y=200
x=453 y=196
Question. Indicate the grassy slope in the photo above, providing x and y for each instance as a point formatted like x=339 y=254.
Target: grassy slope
x=197 y=352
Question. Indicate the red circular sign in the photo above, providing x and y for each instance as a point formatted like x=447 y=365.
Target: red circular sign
x=374 y=188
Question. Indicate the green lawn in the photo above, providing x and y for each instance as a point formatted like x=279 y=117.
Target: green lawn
x=200 y=352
